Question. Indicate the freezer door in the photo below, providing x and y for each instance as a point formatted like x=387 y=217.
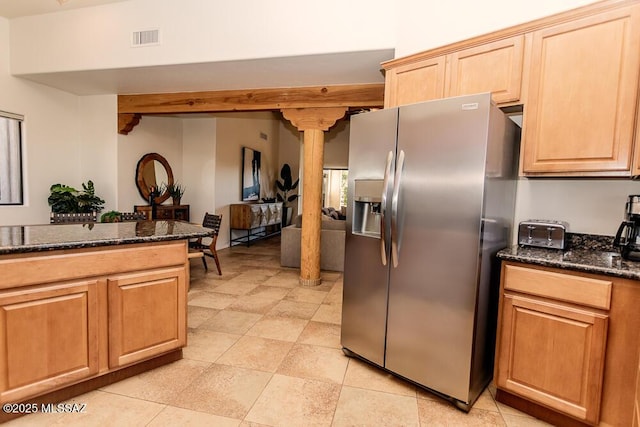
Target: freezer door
x=372 y=144
x=432 y=291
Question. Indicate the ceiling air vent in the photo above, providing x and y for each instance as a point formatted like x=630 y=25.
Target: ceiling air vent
x=145 y=38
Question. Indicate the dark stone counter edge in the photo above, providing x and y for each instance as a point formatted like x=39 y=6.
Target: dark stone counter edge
x=563 y=265
x=586 y=253
x=97 y=243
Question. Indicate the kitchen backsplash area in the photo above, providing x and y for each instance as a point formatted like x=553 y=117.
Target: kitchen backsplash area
x=592 y=206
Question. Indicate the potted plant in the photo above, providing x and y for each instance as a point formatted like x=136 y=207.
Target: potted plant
x=111 y=216
x=285 y=187
x=66 y=199
x=176 y=191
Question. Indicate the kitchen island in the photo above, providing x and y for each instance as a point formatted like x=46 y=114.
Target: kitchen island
x=568 y=346
x=83 y=305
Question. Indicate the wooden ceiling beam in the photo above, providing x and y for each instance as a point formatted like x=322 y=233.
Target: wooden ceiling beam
x=365 y=95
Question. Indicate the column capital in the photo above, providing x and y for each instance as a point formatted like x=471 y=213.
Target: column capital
x=317 y=118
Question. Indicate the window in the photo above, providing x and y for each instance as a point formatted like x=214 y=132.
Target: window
x=10 y=159
x=334 y=188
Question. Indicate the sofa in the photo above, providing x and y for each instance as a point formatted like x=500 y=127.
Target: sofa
x=332 y=237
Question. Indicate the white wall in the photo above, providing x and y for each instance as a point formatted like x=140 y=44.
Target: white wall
x=199 y=166
x=336 y=147
x=594 y=206
x=98 y=146
x=51 y=139
x=194 y=31
x=162 y=135
x=234 y=131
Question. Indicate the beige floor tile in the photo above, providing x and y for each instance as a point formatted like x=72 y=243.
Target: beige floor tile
x=172 y=416
x=288 y=401
x=486 y=402
x=278 y=328
x=316 y=363
x=161 y=384
x=518 y=421
x=306 y=295
x=269 y=292
x=362 y=375
x=219 y=301
x=253 y=304
x=256 y=353
x=330 y=276
x=334 y=296
x=34 y=420
x=442 y=413
x=232 y=322
x=222 y=390
x=255 y=275
x=196 y=315
x=322 y=334
x=107 y=409
x=299 y=310
x=359 y=407
x=207 y=346
x=284 y=280
x=329 y=313
x=237 y=287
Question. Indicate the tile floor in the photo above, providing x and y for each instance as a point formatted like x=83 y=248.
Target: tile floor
x=264 y=351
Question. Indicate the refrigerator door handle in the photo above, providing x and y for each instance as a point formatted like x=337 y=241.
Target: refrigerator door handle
x=395 y=229
x=383 y=208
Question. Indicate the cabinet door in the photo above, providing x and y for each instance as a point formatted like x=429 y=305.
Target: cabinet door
x=48 y=338
x=256 y=216
x=581 y=101
x=552 y=354
x=493 y=67
x=147 y=314
x=420 y=81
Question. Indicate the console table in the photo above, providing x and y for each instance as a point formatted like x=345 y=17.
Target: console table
x=175 y=212
x=257 y=220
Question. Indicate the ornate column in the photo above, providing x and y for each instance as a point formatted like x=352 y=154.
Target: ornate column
x=313 y=122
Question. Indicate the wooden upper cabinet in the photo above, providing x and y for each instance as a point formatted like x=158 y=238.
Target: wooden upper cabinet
x=582 y=94
x=415 y=82
x=493 y=67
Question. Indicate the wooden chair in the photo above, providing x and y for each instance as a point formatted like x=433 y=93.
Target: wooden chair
x=199 y=249
x=73 y=218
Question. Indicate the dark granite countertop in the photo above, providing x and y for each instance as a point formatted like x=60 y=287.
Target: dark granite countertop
x=585 y=252
x=35 y=238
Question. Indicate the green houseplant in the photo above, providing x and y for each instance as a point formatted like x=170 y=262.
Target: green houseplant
x=284 y=195
x=176 y=191
x=66 y=199
x=111 y=216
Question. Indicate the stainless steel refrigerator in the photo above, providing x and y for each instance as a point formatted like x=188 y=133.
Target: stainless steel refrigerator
x=431 y=200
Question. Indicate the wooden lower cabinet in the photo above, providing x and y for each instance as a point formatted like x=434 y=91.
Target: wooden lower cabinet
x=553 y=354
x=147 y=315
x=70 y=316
x=568 y=348
x=48 y=337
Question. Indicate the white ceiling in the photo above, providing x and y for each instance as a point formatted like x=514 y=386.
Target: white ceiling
x=296 y=71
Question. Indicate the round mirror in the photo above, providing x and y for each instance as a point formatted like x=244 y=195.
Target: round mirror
x=153 y=172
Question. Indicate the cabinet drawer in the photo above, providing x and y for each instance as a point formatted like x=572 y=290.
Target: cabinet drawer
x=564 y=287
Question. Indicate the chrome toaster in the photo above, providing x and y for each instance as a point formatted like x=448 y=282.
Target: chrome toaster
x=543 y=233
